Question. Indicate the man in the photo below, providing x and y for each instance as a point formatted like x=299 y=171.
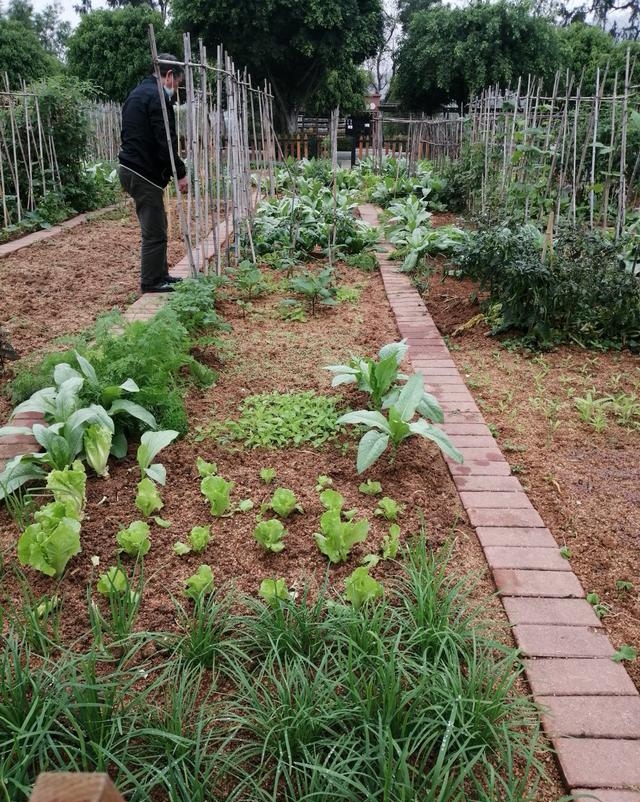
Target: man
x=145 y=168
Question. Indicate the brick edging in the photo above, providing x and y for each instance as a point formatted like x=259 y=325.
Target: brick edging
x=10 y=248
x=591 y=707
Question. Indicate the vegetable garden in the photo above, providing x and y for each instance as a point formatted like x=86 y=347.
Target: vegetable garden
x=238 y=567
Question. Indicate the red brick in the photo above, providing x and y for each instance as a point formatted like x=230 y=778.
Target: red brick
x=570 y=612
x=599 y=762
x=581 y=676
x=553 y=584
x=481 y=467
x=465 y=429
x=545 y=640
x=496 y=517
x=497 y=484
x=604 y=795
x=18 y=440
x=490 y=452
x=461 y=397
x=520 y=537
x=457 y=415
x=428 y=362
x=494 y=500
x=526 y=558
x=591 y=716
x=9 y=450
x=440 y=373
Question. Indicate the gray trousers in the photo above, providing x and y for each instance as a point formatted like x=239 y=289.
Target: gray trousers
x=149 y=201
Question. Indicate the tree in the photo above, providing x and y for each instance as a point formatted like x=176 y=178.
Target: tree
x=161 y=5
x=293 y=45
x=48 y=25
x=381 y=66
x=111 y=48
x=22 y=55
x=407 y=8
x=449 y=54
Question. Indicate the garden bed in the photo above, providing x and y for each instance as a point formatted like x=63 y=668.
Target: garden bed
x=580 y=469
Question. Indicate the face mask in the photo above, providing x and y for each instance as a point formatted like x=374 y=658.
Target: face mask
x=169 y=92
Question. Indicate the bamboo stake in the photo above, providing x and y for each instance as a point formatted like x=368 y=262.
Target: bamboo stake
x=622 y=191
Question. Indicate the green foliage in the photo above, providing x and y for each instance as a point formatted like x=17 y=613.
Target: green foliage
x=276 y=420
x=151 y=443
x=396 y=426
x=269 y=534
x=217 y=491
x=148 y=498
x=22 y=54
x=296 y=47
x=206 y=468
x=193 y=303
x=625 y=652
x=199 y=538
x=360 y=588
x=283 y=502
x=370 y=488
x=123 y=35
x=580 y=291
x=134 y=540
x=69 y=488
x=338 y=537
x=97 y=445
x=49 y=543
x=323 y=482
x=391 y=543
x=316 y=288
x=450 y=53
x=388 y=508
x=200 y=583
x=377 y=377
x=274 y=592
x=113 y=582
x=267 y=475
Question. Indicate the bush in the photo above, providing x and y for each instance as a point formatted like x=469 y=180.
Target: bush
x=581 y=290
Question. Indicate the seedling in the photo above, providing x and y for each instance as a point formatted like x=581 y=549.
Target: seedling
x=625 y=652
x=323 y=482
x=599 y=608
x=388 y=509
x=274 y=592
x=134 y=540
x=199 y=583
x=360 y=588
x=283 y=503
x=199 y=538
x=267 y=475
x=624 y=586
x=370 y=488
x=565 y=552
x=269 y=535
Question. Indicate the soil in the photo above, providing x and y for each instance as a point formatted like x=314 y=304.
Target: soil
x=583 y=482
x=59 y=287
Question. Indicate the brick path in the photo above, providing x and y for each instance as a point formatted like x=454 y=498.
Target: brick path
x=592 y=707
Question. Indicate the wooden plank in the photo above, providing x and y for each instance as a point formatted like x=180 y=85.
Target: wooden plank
x=71 y=787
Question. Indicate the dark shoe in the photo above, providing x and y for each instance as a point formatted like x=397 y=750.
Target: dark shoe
x=172 y=279
x=163 y=286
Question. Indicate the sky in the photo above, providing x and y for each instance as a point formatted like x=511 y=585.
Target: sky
x=67 y=13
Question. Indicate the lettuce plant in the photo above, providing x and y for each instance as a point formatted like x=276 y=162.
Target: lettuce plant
x=370 y=488
x=148 y=498
x=217 y=491
x=151 y=443
x=283 y=502
x=206 y=468
x=49 y=543
x=360 y=588
x=337 y=537
x=97 y=444
x=198 y=538
x=396 y=426
x=332 y=500
x=69 y=487
x=274 y=591
x=134 y=540
x=113 y=582
x=391 y=543
x=199 y=583
x=267 y=475
x=388 y=508
x=269 y=534
x=323 y=482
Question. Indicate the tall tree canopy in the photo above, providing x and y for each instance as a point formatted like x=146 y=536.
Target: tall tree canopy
x=111 y=48
x=295 y=45
x=451 y=53
x=22 y=54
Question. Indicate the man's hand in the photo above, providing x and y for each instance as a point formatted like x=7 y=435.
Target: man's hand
x=183 y=185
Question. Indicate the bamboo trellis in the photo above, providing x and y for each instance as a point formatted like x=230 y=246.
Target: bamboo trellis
x=105 y=122
x=225 y=131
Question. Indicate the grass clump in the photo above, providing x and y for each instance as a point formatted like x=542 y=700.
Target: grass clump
x=276 y=420
x=407 y=697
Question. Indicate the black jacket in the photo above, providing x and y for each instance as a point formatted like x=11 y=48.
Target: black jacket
x=144 y=146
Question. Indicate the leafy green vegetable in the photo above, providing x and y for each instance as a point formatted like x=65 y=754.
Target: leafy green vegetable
x=69 y=487
x=370 y=488
x=97 y=445
x=217 y=491
x=113 y=582
x=246 y=505
x=331 y=499
x=284 y=502
x=49 y=543
x=267 y=475
x=322 y=482
x=199 y=538
x=388 y=508
x=391 y=543
x=151 y=443
x=338 y=537
x=161 y=522
x=135 y=539
x=199 y=583
x=269 y=534
x=206 y=468
x=274 y=591
x=625 y=652
x=181 y=548
x=360 y=588
x=148 y=498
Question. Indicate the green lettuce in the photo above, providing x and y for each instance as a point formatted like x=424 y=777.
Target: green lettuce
x=370 y=488
x=113 y=582
x=284 y=502
x=199 y=583
x=217 y=491
x=206 y=468
x=148 y=499
x=69 y=487
x=391 y=543
x=274 y=591
x=361 y=588
x=338 y=537
x=135 y=539
x=49 y=543
x=269 y=534
x=97 y=445
x=199 y=538
x=388 y=508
